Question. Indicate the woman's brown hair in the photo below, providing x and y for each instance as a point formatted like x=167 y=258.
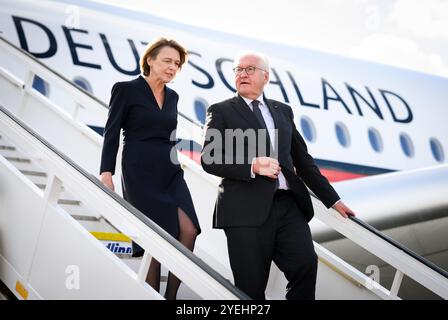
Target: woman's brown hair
x=153 y=48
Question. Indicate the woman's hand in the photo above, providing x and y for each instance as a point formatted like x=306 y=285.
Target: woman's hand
x=106 y=179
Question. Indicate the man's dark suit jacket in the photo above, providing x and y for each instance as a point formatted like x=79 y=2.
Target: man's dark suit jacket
x=246 y=201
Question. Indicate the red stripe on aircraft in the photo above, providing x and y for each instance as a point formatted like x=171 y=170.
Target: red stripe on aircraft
x=333 y=175
x=337 y=175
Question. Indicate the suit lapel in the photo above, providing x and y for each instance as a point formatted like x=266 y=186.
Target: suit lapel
x=243 y=109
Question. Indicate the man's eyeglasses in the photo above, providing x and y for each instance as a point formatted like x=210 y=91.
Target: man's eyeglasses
x=249 y=70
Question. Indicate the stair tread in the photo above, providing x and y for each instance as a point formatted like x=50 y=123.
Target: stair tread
x=17 y=159
x=85 y=218
x=69 y=202
x=34 y=173
x=4 y=147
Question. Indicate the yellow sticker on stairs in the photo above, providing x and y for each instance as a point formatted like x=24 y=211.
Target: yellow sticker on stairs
x=20 y=288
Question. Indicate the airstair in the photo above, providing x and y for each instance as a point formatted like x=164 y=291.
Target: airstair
x=60 y=227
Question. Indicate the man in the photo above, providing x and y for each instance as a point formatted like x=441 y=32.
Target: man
x=263 y=204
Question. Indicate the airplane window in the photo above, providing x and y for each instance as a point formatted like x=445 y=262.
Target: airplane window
x=437 y=150
x=308 y=129
x=342 y=134
x=200 y=108
x=83 y=83
x=41 y=85
x=406 y=145
x=375 y=140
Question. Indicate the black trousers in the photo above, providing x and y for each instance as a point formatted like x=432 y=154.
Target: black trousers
x=284 y=238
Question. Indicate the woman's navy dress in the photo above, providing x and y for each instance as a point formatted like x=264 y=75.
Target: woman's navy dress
x=152 y=182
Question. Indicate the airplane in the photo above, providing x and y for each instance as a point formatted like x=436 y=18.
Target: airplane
x=358 y=118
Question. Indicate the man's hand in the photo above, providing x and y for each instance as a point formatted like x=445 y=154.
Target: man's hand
x=343 y=209
x=265 y=166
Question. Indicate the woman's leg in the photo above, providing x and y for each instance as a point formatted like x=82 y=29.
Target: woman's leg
x=153 y=276
x=187 y=236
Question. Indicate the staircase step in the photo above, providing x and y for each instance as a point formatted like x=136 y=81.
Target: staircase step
x=80 y=210
x=25 y=165
x=124 y=255
x=9 y=148
x=100 y=225
x=69 y=202
x=36 y=177
x=85 y=218
x=34 y=173
x=17 y=159
x=9 y=151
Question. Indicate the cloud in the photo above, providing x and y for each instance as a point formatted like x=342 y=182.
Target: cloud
x=427 y=18
x=399 y=51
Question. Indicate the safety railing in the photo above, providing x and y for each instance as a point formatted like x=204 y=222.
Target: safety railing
x=390 y=251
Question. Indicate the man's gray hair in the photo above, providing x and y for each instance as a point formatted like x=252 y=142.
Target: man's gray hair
x=262 y=57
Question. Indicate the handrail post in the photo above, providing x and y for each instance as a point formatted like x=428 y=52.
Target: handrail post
x=396 y=283
x=53 y=190
x=28 y=84
x=51 y=196
x=78 y=107
x=144 y=267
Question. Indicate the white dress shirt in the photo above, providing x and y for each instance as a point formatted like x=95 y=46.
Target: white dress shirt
x=269 y=121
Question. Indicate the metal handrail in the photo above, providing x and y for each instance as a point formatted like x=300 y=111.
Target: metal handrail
x=395 y=243
x=398 y=245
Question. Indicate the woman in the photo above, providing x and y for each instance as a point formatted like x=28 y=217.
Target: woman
x=146 y=109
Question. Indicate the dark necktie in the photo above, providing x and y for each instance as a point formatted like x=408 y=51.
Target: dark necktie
x=260 y=119
x=257 y=113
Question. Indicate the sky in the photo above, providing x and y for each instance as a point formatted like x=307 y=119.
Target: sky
x=411 y=34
